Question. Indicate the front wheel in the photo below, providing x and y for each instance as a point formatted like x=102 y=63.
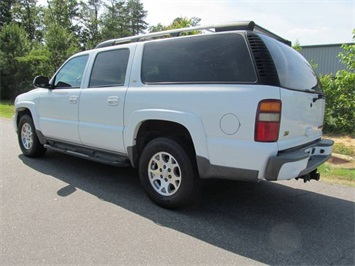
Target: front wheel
x=167 y=171
x=27 y=138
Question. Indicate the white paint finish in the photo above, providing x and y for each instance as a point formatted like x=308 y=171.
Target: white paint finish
x=292 y=170
x=229 y=124
x=191 y=122
x=219 y=117
x=301 y=117
x=101 y=123
x=241 y=154
x=58 y=116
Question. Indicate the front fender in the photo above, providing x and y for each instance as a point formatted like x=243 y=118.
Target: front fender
x=23 y=105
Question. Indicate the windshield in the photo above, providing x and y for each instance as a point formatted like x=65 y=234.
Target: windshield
x=293 y=69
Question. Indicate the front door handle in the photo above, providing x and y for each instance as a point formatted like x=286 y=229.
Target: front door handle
x=112 y=100
x=73 y=99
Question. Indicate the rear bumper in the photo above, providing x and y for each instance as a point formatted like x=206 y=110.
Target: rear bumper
x=297 y=163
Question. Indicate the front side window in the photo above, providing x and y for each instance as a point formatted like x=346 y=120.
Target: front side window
x=71 y=74
x=214 y=58
x=109 y=68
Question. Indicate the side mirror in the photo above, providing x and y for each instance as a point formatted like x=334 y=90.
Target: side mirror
x=41 y=81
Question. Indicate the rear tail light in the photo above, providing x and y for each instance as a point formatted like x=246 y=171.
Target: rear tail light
x=267 y=124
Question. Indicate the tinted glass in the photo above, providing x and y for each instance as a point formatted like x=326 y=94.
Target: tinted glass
x=109 y=68
x=71 y=74
x=293 y=69
x=215 y=58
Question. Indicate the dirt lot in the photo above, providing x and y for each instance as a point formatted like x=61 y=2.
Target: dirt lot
x=343 y=161
x=347 y=141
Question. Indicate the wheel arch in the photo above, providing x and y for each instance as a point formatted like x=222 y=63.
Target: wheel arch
x=146 y=125
x=29 y=109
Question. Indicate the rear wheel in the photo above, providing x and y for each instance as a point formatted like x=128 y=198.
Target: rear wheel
x=167 y=171
x=27 y=138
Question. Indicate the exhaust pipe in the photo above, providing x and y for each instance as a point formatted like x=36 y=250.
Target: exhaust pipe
x=308 y=177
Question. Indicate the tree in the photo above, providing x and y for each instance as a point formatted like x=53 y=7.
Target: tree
x=64 y=13
x=297 y=46
x=122 y=19
x=14 y=73
x=348 y=56
x=5 y=12
x=113 y=21
x=340 y=100
x=60 y=44
x=178 y=23
x=135 y=14
x=29 y=15
x=340 y=95
x=89 y=17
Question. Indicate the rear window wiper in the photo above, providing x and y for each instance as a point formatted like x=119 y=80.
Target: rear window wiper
x=320 y=96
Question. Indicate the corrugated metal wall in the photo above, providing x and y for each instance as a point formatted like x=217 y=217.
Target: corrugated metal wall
x=326 y=56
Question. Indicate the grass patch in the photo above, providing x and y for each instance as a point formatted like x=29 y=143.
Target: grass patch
x=337 y=175
x=340 y=148
x=6 y=109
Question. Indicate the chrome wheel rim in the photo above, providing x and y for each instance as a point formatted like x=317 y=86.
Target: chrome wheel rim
x=27 y=136
x=164 y=173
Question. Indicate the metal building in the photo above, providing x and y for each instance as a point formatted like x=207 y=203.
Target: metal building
x=325 y=56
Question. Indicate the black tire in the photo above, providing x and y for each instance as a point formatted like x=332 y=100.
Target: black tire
x=27 y=138
x=168 y=173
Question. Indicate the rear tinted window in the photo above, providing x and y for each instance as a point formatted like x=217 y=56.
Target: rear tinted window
x=293 y=69
x=215 y=58
x=109 y=68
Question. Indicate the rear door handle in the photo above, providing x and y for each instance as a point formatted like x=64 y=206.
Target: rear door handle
x=112 y=100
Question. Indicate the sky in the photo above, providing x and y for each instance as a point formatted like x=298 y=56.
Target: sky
x=310 y=22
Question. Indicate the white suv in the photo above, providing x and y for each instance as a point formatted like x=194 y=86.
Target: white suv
x=235 y=102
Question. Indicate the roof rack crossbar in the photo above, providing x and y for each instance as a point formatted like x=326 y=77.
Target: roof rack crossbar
x=240 y=25
x=243 y=25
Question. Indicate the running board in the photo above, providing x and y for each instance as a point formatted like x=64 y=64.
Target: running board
x=89 y=154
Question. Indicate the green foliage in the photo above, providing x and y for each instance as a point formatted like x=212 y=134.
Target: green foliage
x=113 y=20
x=89 y=16
x=64 y=13
x=122 y=19
x=13 y=71
x=60 y=44
x=340 y=148
x=348 y=56
x=337 y=175
x=340 y=96
x=38 y=62
x=27 y=14
x=134 y=16
x=5 y=12
x=36 y=40
x=340 y=102
x=178 y=23
x=297 y=46
x=6 y=109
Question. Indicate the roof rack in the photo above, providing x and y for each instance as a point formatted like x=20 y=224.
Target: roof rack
x=232 y=26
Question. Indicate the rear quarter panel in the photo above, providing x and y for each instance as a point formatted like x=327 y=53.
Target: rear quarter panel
x=225 y=113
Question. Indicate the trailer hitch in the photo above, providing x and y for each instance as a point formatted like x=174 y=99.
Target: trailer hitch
x=308 y=177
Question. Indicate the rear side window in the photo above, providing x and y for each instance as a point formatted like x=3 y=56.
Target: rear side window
x=109 y=68
x=293 y=69
x=215 y=58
